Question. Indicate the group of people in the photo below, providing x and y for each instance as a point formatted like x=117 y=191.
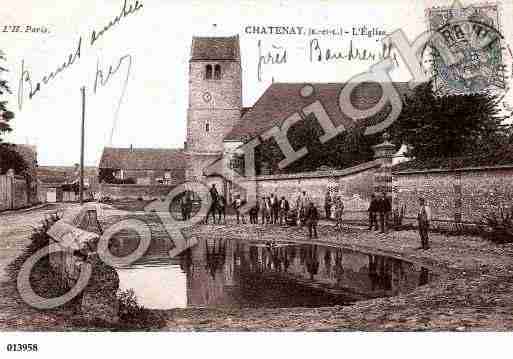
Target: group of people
x=271 y=209
x=334 y=208
x=276 y=210
x=380 y=206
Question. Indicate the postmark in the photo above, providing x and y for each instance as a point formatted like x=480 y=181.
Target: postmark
x=472 y=37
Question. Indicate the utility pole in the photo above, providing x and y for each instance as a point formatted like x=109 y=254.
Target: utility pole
x=82 y=137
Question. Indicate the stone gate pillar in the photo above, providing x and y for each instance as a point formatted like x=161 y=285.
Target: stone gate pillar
x=384 y=153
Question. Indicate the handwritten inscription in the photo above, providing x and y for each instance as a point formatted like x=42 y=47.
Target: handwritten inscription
x=125 y=11
x=26 y=77
x=102 y=78
x=318 y=53
x=277 y=55
x=28 y=88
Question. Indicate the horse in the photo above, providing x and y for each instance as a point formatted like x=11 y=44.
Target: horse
x=218 y=206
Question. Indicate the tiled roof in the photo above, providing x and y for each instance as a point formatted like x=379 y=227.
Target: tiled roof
x=63 y=174
x=280 y=100
x=502 y=157
x=143 y=158
x=215 y=48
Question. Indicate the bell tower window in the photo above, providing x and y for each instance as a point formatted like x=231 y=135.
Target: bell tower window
x=207 y=127
x=208 y=72
x=217 y=72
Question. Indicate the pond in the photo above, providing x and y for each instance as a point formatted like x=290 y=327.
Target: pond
x=243 y=274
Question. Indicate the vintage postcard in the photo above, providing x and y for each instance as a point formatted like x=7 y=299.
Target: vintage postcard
x=254 y=166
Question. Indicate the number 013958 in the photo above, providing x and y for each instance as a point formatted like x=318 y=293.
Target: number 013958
x=22 y=348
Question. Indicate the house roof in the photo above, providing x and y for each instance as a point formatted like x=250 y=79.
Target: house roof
x=215 y=48
x=281 y=100
x=63 y=174
x=502 y=157
x=143 y=158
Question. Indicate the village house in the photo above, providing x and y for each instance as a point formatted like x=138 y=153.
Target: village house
x=61 y=183
x=143 y=166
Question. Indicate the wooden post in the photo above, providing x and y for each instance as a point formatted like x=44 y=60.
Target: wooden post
x=82 y=138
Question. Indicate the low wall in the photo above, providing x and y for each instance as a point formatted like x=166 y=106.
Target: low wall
x=465 y=194
x=117 y=191
x=354 y=184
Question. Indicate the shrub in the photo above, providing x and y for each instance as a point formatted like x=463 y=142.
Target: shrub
x=132 y=315
x=498 y=227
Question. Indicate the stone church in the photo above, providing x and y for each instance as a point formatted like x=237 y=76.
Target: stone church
x=217 y=123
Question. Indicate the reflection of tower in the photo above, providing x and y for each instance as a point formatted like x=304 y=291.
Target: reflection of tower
x=205 y=280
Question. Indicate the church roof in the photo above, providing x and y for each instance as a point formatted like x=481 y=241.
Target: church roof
x=143 y=158
x=281 y=100
x=215 y=48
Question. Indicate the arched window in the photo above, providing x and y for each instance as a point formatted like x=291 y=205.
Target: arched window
x=207 y=127
x=208 y=72
x=217 y=72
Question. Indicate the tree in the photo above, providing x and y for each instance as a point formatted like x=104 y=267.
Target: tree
x=9 y=157
x=5 y=115
x=345 y=150
x=449 y=126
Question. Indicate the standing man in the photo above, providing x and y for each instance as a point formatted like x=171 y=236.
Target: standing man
x=276 y=209
x=302 y=203
x=214 y=196
x=373 y=209
x=186 y=205
x=284 y=209
x=312 y=217
x=237 y=204
x=327 y=204
x=272 y=205
x=424 y=217
x=253 y=212
x=387 y=209
x=381 y=211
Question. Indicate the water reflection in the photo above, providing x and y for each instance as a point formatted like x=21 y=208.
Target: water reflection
x=220 y=272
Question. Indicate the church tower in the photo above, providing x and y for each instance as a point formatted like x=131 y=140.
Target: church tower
x=215 y=99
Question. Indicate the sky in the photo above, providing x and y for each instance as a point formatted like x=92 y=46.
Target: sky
x=154 y=42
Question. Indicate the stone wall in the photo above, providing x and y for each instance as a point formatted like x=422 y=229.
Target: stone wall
x=135 y=191
x=464 y=194
x=150 y=177
x=354 y=184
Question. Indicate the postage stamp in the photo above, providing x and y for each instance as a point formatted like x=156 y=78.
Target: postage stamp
x=473 y=37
